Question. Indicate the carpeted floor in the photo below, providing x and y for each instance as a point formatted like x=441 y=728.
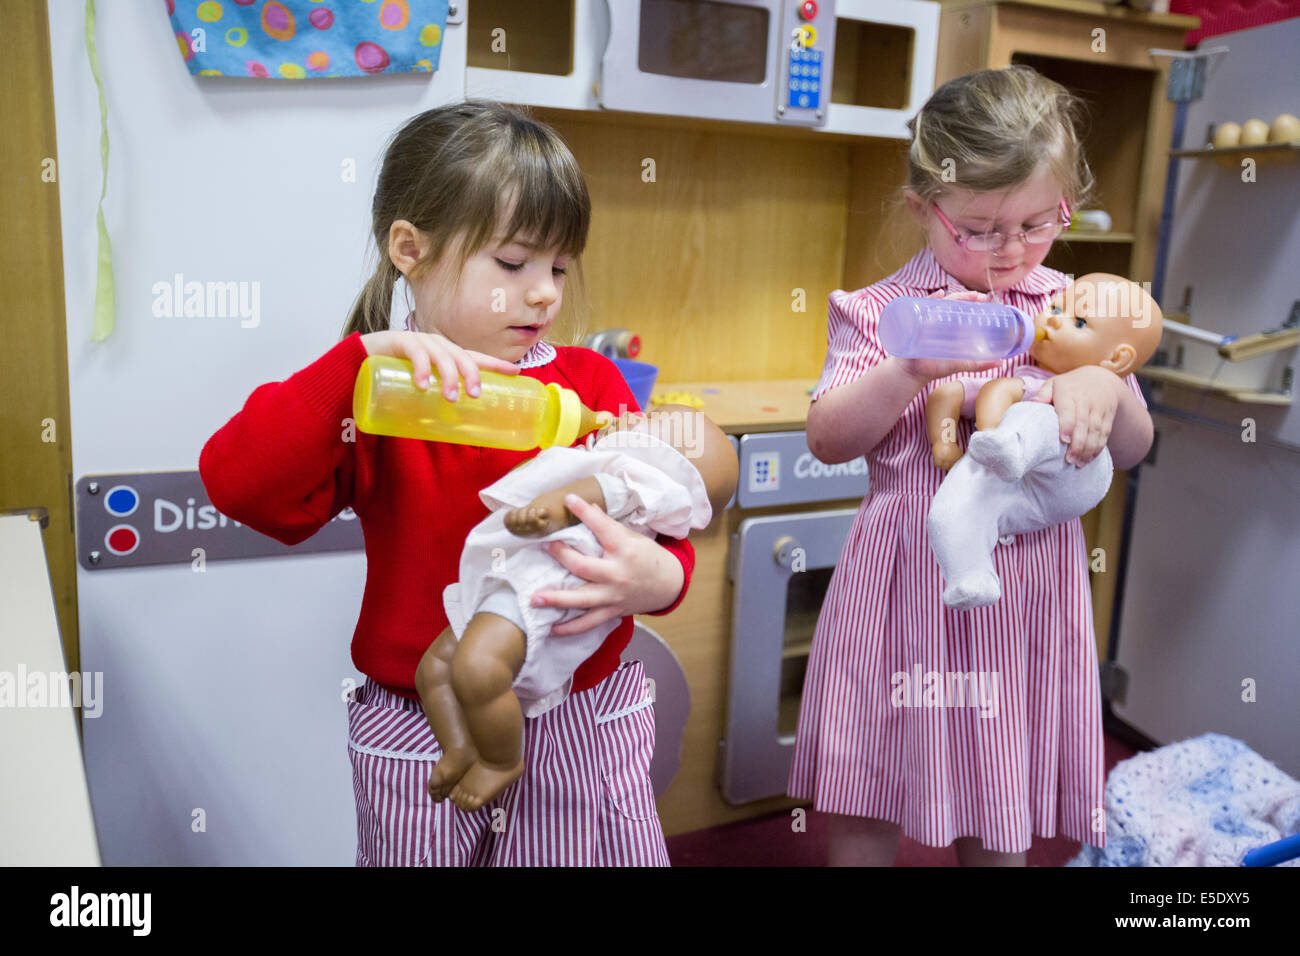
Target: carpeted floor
x=770 y=841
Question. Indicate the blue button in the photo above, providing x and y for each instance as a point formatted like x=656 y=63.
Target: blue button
x=121 y=500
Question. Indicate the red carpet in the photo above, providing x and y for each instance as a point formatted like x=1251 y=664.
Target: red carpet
x=769 y=840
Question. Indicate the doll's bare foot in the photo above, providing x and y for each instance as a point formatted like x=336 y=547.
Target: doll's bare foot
x=449 y=770
x=531 y=521
x=481 y=783
x=972 y=591
x=946 y=454
x=1001 y=451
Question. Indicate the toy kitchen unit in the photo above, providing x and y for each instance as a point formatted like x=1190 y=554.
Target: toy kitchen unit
x=744 y=631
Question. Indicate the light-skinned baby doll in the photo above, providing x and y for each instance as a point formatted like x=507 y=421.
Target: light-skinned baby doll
x=664 y=472
x=1014 y=478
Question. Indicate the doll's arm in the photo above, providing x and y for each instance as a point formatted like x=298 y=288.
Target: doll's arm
x=547 y=513
x=995 y=397
x=942 y=408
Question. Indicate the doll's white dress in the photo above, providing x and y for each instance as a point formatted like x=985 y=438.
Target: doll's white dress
x=648 y=486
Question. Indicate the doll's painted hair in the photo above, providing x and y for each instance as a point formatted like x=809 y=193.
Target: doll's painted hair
x=995 y=128
x=452 y=172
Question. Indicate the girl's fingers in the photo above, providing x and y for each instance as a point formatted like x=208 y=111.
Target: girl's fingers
x=605 y=528
x=583 y=565
x=584 y=622
x=448 y=373
x=419 y=364
x=1098 y=432
x=587 y=596
x=1065 y=415
x=467 y=370
x=493 y=364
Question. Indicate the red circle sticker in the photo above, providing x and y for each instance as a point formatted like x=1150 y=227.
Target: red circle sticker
x=122 y=539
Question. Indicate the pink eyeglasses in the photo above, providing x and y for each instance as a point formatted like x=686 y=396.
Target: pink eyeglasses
x=993 y=241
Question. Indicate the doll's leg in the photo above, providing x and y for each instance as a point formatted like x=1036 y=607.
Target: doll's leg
x=994 y=398
x=962 y=526
x=942 y=409
x=446 y=717
x=1000 y=450
x=490 y=655
x=546 y=513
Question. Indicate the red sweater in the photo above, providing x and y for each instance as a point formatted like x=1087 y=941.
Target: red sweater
x=281 y=467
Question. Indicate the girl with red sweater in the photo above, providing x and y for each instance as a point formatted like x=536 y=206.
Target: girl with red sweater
x=482 y=211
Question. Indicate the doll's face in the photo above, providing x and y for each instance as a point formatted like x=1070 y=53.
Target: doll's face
x=1099 y=319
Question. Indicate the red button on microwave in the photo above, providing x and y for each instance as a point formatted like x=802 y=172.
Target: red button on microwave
x=808 y=10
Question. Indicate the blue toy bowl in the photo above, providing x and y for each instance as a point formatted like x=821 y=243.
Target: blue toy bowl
x=640 y=378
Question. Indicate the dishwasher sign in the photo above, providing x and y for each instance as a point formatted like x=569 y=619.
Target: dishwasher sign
x=779 y=469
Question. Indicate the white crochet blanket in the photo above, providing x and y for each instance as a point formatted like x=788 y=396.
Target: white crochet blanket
x=1201 y=802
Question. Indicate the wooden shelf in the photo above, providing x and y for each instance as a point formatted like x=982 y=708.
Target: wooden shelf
x=802 y=649
x=1259 y=151
x=1086 y=235
x=1201 y=383
x=1092 y=8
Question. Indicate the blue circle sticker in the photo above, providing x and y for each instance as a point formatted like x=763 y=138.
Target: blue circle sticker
x=121 y=500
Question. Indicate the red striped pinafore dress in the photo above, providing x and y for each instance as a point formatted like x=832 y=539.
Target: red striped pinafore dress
x=1000 y=773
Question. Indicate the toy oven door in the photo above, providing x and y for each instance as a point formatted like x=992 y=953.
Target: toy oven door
x=782 y=570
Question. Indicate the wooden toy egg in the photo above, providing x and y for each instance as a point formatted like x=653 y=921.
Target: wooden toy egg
x=1285 y=129
x=1227 y=135
x=1254 y=132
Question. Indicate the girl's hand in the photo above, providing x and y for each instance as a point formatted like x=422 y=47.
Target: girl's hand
x=425 y=349
x=1086 y=399
x=635 y=576
x=927 y=370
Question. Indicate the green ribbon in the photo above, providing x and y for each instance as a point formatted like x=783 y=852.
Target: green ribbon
x=103 y=325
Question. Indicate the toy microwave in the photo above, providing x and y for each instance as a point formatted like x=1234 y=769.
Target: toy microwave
x=755 y=61
x=861 y=67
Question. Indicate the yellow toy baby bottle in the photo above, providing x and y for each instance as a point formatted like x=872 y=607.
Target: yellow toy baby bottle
x=513 y=412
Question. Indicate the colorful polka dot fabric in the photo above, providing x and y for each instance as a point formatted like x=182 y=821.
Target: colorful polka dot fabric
x=302 y=39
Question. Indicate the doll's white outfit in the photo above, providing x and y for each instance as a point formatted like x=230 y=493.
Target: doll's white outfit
x=1013 y=479
x=648 y=486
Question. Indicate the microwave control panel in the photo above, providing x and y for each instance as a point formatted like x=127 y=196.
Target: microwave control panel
x=808 y=39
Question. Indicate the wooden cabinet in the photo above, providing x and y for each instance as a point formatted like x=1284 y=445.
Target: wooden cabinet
x=1100 y=53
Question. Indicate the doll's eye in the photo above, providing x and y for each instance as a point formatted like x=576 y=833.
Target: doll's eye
x=1056 y=310
x=1080 y=323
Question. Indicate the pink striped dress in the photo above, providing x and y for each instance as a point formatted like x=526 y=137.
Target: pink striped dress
x=866 y=746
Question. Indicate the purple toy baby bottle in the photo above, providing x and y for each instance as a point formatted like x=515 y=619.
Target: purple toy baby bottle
x=955 y=329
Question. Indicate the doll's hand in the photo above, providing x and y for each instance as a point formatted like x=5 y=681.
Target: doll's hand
x=635 y=576
x=1086 y=399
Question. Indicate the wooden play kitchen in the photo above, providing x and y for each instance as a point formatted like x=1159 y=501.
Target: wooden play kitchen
x=719 y=242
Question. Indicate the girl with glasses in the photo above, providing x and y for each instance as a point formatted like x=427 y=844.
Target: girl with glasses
x=994 y=167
